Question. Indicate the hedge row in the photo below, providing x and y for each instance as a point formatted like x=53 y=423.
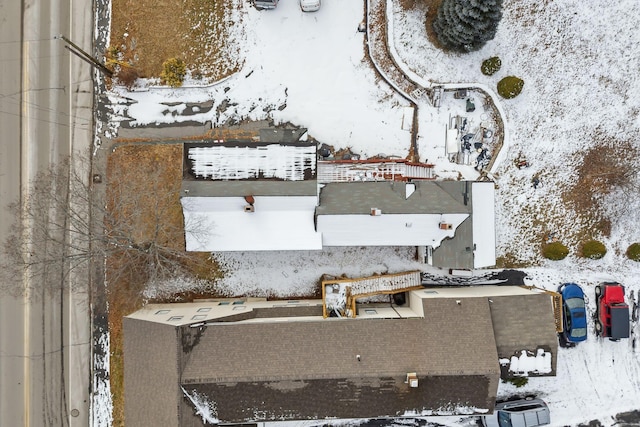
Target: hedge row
x=592 y=249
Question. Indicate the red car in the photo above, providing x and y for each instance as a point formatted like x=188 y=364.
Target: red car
x=612 y=312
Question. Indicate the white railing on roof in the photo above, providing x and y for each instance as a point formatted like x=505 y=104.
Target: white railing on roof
x=384 y=284
x=371 y=171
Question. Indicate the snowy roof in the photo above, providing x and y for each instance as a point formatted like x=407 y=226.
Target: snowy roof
x=294 y=161
x=422 y=213
x=413 y=218
x=387 y=229
x=318 y=360
x=484 y=232
x=401 y=218
x=276 y=223
x=336 y=367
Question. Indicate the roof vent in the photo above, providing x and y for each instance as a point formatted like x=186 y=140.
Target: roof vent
x=412 y=379
x=376 y=212
x=249 y=208
x=445 y=226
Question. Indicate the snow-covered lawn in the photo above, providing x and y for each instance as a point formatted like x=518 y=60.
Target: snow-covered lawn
x=312 y=63
x=579 y=60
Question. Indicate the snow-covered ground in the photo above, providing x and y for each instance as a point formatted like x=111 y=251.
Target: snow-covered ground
x=579 y=60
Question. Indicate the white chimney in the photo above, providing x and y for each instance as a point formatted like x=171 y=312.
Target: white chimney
x=412 y=379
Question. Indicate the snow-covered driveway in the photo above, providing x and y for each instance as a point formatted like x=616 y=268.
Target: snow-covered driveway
x=306 y=68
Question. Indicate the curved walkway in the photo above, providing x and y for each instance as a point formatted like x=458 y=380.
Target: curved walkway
x=415 y=88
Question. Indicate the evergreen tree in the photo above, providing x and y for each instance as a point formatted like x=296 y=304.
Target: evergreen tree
x=466 y=25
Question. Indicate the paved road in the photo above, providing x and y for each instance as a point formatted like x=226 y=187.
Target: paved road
x=45 y=114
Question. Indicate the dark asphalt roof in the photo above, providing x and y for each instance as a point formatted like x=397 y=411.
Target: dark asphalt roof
x=202 y=188
x=253 y=368
x=430 y=197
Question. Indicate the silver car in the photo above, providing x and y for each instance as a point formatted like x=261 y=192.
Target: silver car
x=309 y=5
x=265 y=4
x=518 y=413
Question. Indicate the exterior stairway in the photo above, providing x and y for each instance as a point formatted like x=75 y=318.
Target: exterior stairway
x=387 y=284
x=341 y=294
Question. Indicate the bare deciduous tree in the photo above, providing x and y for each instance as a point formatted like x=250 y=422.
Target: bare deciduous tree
x=66 y=222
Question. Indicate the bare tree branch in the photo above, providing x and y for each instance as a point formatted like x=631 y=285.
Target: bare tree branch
x=141 y=237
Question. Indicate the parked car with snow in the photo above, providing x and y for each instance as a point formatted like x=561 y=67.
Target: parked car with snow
x=612 y=312
x=265 y=4
x=518 y=413
x=574 y=314
x=309 y=5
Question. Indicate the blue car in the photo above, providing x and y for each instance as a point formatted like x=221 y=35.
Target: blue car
x=574 y=314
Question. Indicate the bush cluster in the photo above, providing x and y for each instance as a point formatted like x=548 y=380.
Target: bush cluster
x=593 y=249
x=555 y=251
x=491 y=66
x=173 y=72
x=633 y=252
x=518 y=381
x=510 y=87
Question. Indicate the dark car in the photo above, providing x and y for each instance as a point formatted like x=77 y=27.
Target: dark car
x=574 y=314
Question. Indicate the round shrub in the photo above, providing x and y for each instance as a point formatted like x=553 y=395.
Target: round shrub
x=491 y=66
x=555 y=251
x=173 y=72
x=510 y=87
x=633 y=252
x=593 y=249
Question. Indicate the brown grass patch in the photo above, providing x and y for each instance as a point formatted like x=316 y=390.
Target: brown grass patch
x=145 y=33
x=603 y=168
x=134 y=174
x=407 y=4
x=510 y=260
x=432 y=11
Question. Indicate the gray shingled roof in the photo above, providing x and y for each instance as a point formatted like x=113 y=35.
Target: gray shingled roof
x=430 y=197
x=515 y=331
x=451 y=341
x=249 y=187
x=151 y=374
x=344 y=398
x=327 y=348
x=267 y=369
x=457 y=252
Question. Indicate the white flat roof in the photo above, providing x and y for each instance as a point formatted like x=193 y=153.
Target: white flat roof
x=484 y=229
x=178 y=314
x=387 y=229
x=277 y=223
x=474 y=291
